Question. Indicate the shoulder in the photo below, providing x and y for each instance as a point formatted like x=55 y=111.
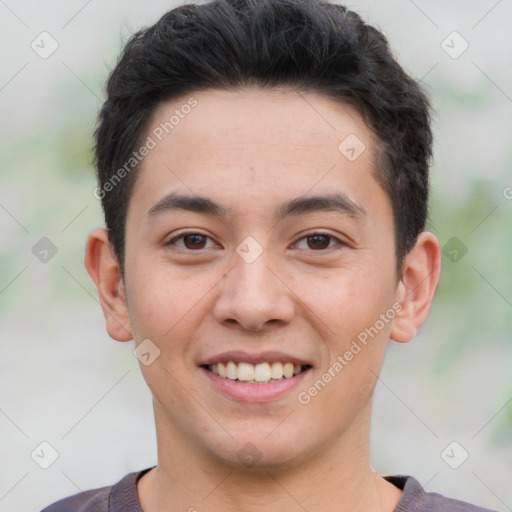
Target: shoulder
x=416 y=499
x=93 y=500
x=120 y=497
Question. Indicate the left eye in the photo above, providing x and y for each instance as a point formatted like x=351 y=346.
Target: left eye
x=319 y=241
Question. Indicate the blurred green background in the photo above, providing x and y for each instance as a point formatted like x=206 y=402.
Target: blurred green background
x=65 y=382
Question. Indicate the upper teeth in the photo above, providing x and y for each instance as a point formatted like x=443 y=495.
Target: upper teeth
x=261 y=372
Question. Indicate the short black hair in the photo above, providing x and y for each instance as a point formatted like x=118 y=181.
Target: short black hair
x=308 y=45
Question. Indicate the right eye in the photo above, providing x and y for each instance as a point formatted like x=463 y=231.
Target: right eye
x=191 y=241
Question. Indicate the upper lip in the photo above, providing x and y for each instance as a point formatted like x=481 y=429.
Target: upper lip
x=269 y=356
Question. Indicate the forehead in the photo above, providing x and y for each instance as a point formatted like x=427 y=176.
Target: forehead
x=255 y=116
x=255 y=144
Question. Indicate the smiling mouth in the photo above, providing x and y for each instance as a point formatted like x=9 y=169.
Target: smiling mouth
x=261 y=373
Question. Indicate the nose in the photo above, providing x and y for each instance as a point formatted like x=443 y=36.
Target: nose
x=254 y=295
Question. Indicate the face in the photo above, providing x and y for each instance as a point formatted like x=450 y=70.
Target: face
x=257 y=233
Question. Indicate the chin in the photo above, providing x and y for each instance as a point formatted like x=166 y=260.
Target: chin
x=262 y=450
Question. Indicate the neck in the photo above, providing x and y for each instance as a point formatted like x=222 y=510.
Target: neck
x=338 y=476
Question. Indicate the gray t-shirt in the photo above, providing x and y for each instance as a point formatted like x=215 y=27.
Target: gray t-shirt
x=122 y=497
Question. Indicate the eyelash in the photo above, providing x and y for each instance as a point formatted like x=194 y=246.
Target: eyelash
x=314 y=233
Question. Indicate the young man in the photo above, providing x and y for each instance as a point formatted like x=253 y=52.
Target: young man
x=263 y=169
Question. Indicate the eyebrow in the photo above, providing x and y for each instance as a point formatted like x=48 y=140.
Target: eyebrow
x=337 y=202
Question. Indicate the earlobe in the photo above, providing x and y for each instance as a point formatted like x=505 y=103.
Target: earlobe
x=415 y=290
x=104 y=270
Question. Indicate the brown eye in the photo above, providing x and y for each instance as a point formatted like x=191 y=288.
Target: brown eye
x=191 y=242
x=194 y=241
x=318 y=241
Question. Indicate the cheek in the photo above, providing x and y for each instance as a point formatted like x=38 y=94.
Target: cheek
x=349 y=301
x=167 y=305
x=157 y=299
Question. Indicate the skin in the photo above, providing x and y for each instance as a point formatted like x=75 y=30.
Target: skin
x=250 y=150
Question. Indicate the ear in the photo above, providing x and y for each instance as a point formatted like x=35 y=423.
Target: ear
x=102 y=266
x=415 y=290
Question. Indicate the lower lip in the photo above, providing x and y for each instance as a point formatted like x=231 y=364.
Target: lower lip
x=255 y=392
